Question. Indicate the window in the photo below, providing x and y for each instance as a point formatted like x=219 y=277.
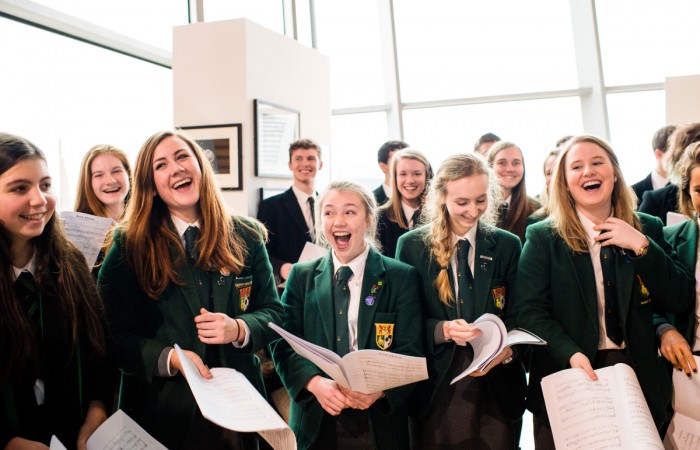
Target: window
x=66 y=96
x=634 y=118
x=356 y=139
x=348 y=32
x=149 y=21
x=458 y=49
x=533 y=125
x=644 y=41
x=268 y=13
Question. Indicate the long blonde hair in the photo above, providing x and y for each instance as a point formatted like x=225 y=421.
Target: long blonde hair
x=562 y=207
x=150 y=238
x=393 y=208
x=439 y=239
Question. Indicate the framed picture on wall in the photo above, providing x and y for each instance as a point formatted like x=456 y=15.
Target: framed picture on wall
x=222 y=147
x=275 y=128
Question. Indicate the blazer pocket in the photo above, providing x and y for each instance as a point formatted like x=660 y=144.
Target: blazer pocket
x=384 y=326
x=242 y=296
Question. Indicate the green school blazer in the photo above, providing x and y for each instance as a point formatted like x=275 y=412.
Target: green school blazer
x=683 y=238
x=309 y=313
x=141 y=328
x=495 y=268
x=557 y=300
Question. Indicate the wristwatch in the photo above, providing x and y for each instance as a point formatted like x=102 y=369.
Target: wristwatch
x=642 y=250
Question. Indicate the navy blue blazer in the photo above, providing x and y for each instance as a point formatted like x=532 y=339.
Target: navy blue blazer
x=660 y=201
x=288 y=232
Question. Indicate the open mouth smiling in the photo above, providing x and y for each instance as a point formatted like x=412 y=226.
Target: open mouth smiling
x=36 y=216
x=182 y=183
x=592 y=185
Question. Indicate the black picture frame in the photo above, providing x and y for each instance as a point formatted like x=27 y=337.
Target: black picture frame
x=276 y=127
x=222 y=145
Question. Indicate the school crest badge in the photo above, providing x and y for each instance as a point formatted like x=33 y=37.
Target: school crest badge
x=384 y=335
x=499 y=297
x=642 y=289
x=244 y=294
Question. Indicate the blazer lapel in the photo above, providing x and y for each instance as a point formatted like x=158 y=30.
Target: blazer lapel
x=294 y=210
x=585 y=277
x=189 y=289
x=374 y=272
x=687 y=250
x=484 y=262
x=324 y=297
x=221 y=291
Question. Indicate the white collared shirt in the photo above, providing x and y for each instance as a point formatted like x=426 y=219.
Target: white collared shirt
x=657 y=180
x=507 y=200
x=696 y=344
x=357 y=266
x=181 y=226
x=471 y=237
x=303 y=200
x=30 y=267
x=408 y=213
x=604 y=342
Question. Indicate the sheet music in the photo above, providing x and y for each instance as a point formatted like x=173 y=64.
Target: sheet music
x=684 y=431
x=365 y=371
x=230 y=401
x=673 y=218
x=118 y=432
x=87 y=232
x=312 y=251
x=610 y=413
x=492 y=340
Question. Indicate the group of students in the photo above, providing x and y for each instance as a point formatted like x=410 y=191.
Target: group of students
x=596 y=280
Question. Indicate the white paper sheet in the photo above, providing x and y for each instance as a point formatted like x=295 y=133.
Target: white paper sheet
x=87 y=232
x=230 y=401
x=118 y=432
x=365 y=371
x=684 y=431
x=312 y=251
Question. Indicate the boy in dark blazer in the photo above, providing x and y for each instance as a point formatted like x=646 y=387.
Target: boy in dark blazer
x=289 y=216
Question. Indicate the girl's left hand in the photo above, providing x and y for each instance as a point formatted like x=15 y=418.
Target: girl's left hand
x=95 y=416
x=216 y=328
x=359 y=400
x=621 y=234
x=505 y=354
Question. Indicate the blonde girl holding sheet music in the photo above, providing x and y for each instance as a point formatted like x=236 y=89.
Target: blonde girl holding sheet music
x=466 y=268
x=53 y=379
x=183 y=271
x=678 y=333
x=590 y=278
x=353 y=298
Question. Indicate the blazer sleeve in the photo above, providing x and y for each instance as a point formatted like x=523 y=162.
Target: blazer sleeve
x=266 y=306
x=533 y=304
x=294 y=370
x=669 y=282
x=129 y=347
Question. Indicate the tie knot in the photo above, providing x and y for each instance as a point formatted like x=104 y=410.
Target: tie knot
x=191 y=234
x=463 y=249
x=343 y=275
x=311 y=201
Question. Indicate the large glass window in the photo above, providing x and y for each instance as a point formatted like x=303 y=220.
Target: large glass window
x=458 y=49
x=66 y=96
x=634 y=118
x=533 y=125
x=149 y=21
x=355 y=141
x=348 y=32
x=644 y=41
x=268 y=13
